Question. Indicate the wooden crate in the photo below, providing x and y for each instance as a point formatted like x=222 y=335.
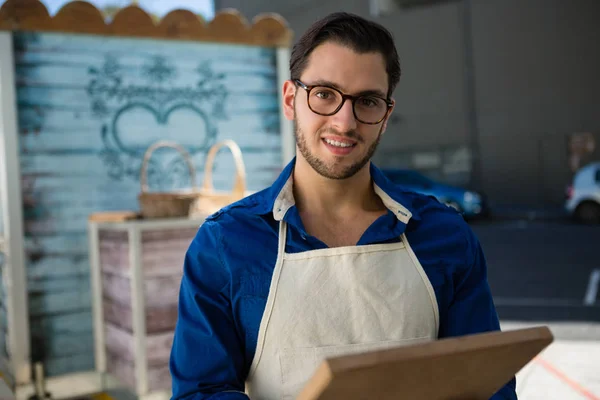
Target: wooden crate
x=137 y=267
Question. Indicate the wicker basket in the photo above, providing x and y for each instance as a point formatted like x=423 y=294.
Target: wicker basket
x=211 y=200
x=166 y=204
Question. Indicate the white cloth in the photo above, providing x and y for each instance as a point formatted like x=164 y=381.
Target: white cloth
x=336 y=301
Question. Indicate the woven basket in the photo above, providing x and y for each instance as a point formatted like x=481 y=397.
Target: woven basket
x=166 y=204
x=211 y=200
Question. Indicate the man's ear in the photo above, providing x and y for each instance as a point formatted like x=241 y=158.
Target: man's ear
x=389 y=114
x=289 y=93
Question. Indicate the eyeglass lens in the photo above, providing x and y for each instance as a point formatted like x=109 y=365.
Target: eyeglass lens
x=324 y=100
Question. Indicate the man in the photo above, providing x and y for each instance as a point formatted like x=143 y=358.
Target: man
x=332 y=258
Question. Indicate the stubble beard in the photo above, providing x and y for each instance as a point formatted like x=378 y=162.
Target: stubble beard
x=327 y=171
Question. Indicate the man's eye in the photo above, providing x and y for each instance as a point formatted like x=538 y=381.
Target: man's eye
x=368 y=102
x=323 y=95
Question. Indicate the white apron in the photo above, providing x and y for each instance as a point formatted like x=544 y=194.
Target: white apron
x=336 y=301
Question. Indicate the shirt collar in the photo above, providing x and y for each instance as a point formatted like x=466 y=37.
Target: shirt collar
x=279 y=198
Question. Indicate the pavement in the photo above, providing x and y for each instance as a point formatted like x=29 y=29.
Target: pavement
x=543 y=270
x=568 y=369
x=528 y=213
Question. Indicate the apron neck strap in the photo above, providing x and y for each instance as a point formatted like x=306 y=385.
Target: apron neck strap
x=282 y=237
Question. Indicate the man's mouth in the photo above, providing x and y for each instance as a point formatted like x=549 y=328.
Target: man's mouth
x=340 y=144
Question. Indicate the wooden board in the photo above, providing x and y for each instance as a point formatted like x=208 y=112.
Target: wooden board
x=471 y=367
x=159 y=377
x=114 y=216
x=158 y=319
x=122 y=343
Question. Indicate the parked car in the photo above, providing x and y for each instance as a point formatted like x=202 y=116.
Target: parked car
x=583 y=195
x=467 y=202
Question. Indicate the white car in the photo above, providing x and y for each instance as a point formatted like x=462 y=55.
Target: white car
x=583 y=195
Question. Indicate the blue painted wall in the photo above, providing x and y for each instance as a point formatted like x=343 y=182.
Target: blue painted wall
x=88 y=108
x=1 y=217
x=3 y=315
x=5 y=370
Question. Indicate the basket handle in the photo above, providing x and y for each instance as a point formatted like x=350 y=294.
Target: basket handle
x=239 y=187
x=173 y=145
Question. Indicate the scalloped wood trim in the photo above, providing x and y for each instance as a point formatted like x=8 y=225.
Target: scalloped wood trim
x=228 y=26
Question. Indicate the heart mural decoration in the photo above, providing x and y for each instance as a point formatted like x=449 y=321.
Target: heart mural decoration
x=136 y=126
x=137 y=115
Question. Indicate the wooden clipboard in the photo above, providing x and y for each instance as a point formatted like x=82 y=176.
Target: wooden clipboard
x=472 y=367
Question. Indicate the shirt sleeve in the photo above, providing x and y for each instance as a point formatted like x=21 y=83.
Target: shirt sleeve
x=207 y=357
x=472 y=309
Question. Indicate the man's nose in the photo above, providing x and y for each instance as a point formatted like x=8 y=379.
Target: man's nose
x=344 y=119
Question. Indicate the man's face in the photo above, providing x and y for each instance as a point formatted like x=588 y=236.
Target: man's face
x=337 y=146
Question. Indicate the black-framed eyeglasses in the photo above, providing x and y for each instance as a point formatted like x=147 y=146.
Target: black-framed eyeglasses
x=325 y=100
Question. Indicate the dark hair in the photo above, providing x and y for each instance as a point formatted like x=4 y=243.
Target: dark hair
x=353 y=31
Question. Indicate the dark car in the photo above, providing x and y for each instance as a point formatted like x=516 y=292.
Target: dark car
x=467 y=202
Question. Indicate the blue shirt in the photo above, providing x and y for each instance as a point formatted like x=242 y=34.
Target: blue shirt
x=229 y=264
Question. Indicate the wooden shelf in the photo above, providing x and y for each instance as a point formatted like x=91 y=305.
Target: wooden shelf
x=136 y=270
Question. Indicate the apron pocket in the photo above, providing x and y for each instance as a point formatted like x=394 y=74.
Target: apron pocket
x=298 y=365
